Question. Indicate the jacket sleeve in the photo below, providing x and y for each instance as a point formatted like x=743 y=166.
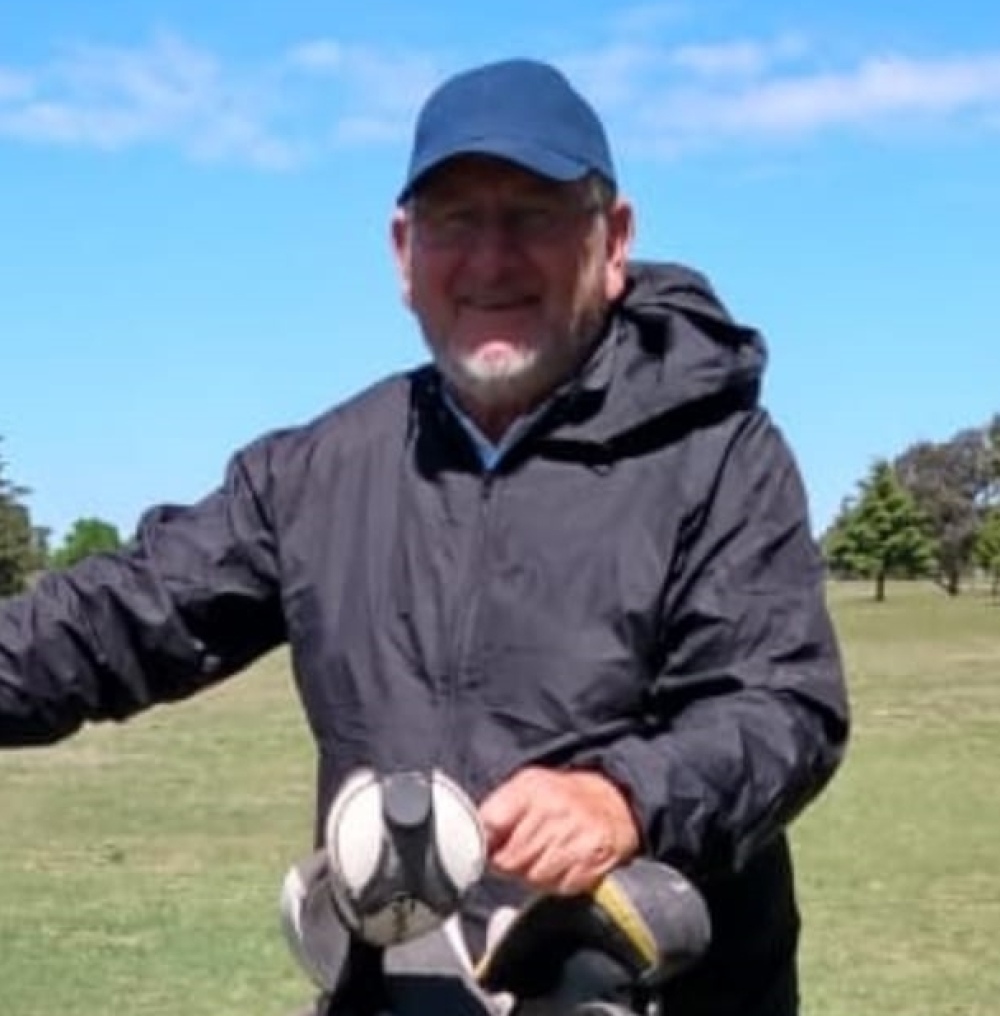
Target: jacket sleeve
x=749 y=714
x=191 y=600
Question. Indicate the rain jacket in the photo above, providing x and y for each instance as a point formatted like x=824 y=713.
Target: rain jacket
x=633 y=588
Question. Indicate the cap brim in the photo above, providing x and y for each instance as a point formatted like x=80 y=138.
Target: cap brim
x=534 y=158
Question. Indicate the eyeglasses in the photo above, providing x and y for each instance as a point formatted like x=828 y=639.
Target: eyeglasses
x=460 y=228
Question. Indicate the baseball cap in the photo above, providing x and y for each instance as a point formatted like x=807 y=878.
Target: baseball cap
x=524 y=111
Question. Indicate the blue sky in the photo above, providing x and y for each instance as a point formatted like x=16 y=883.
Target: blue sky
x=194 y=201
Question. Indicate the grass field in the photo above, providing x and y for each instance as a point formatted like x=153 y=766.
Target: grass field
x=139 y=865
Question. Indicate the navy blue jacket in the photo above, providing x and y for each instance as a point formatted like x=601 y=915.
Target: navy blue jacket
x=634 y=588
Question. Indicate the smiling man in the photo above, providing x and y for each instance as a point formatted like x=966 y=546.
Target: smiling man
x=568 y=562
x=510 y=275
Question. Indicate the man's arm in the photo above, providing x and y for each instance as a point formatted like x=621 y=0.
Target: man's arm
x=750 y=710
x=193 y=599
x=748 y=718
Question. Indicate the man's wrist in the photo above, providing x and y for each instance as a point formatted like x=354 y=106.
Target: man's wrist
x=615 y=806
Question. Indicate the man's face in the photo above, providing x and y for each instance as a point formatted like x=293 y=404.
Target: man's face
x=509 y=275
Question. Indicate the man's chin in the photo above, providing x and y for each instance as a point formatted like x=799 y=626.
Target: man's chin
x=498 y=366
x=496 y=381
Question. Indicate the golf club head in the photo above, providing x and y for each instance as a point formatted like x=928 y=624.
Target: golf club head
x=642 y=924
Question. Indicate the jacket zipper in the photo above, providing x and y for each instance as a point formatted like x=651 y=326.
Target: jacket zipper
x=460 y=657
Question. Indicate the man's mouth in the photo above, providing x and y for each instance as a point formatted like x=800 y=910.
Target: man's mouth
x=499 y=304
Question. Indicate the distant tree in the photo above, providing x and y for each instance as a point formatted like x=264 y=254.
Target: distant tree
x=840 y=563
x=87 y=536
x=881 y=534
x=950 y=483
x=987 y=550
x=22 y=546
x=992 y=456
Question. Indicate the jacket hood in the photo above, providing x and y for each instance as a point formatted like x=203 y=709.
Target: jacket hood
x=670 y=345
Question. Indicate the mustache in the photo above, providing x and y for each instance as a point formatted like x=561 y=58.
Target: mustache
x=496 y=300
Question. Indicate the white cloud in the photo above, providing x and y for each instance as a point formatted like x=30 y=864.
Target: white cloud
x=322 y=93
x=643 y=20
x=384 y=82
x=352 y=131
x=166 y=92
x=14 y=85
x=370 y=96
x=738 y=57
x=885 y=89
x=613 y=76
x=319 y=55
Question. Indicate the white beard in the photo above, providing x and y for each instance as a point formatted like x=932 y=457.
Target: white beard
x=497 y=379
x=514 y=377
x=485 y=368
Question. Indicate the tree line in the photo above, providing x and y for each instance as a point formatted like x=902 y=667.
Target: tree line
x=25 y=548
x=931 y=512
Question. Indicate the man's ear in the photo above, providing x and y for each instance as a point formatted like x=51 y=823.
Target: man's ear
x=620 y=232
x=400 y=229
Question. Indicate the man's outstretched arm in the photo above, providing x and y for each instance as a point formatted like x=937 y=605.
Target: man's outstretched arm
x=190 y=601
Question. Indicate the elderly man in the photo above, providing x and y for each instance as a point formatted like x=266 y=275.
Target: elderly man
x=568 y=562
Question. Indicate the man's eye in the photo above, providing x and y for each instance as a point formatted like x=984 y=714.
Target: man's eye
x=453 y=216
x=454 y=222
x=534 y=217
x=536 y=222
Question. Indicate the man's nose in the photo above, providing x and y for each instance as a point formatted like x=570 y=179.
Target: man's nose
x=496 y=243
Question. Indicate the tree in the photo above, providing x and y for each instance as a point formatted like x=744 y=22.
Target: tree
x=22 y=547
x=992 y=457
x=839 y=560
x=950 y=483
x=987 y=549
x=882 y=534
x=87 y=536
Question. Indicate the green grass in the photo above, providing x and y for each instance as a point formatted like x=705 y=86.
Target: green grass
x=139 y=865
x=900 y=860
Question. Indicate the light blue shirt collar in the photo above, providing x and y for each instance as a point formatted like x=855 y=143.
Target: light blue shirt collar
x=490 y=453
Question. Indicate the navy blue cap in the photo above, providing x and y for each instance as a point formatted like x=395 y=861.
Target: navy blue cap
x=520 y=110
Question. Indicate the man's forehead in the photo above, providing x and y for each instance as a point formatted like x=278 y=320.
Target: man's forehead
x=472 y=174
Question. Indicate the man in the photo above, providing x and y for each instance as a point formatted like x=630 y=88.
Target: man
x=569 y=562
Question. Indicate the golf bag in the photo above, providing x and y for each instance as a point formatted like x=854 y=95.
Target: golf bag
x=602 y=953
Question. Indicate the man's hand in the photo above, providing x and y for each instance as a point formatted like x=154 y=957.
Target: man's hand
x=558 y=831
